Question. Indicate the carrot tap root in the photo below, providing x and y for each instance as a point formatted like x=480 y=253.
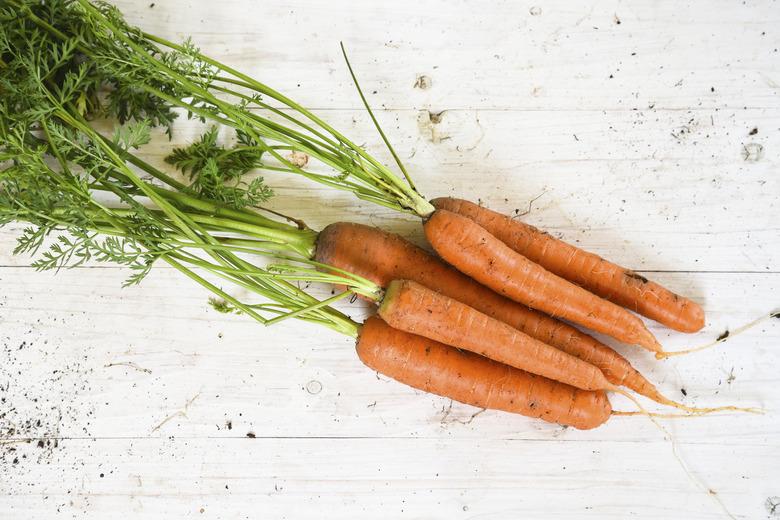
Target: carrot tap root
x=721 y=339
x=599 y=276
x=468 y=378
x=707 y=410
x=651 y=343
x=691 y=410
x=382 y=257
x=657 y=415
x=414 y=308
x=474 y=251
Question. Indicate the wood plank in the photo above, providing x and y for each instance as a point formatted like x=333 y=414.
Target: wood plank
x=638 y=136
x=546 y=55
x=657 y=190
x=118 y=363
x=447 y=477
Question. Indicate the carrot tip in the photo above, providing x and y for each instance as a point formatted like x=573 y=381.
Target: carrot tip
x=635 y=413
x=722 y=338
x=649 y=342
x=706 y=410
x=692 y=412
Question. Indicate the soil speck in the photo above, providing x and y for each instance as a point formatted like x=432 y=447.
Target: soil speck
x=772 y=505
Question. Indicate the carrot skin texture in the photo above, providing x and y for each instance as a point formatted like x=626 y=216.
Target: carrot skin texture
x=381 y=257
x=608 y=280
x=465 y=377
x=414 y=308
x=474 y=251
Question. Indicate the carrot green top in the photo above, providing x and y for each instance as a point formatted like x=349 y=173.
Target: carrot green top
x=149 y=76
x=104 y=203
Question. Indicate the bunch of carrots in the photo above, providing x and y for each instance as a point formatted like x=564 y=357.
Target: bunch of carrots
x=488 y=320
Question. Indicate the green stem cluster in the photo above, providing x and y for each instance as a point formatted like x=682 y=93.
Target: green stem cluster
x=201 y=88
x=53 y=165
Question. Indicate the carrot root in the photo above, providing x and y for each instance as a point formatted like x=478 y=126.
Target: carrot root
x=382 y=257
x=606 y=279
x=722 y=339
x=657 y=415
x=707 y=410
x=474 y=251
x=472 y=379
x=692 y=410
x=416 y=309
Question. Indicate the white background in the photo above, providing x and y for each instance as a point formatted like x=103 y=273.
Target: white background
x=645 y=131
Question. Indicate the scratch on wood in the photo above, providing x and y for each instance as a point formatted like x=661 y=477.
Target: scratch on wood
x=530 y=206
x=179 y=413
x=129 y=364
x=448 y=410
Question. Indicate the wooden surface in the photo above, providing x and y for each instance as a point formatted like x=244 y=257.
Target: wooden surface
x=645 y=131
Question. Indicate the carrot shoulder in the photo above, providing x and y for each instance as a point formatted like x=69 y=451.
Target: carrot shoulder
x=608 y=280
x=474 y=251
x=414 y=308
x=382 y=256
x=433 y=367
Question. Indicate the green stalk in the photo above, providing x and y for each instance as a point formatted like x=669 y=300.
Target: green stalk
x=186 y=230
x=323 y=303
x=423 y=207
x=187 y=225
x=396 y=192
x=376 y=123
x=213 y=288
x=181 y=194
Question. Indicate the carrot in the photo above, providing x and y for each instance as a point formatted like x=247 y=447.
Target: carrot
x=381 y=257
x=474 y=251
x=413 y=308
x=610 y=281
x=468 y=378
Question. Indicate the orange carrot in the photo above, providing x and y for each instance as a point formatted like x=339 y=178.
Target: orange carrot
x=608 y=280
x=414 y=308
x=474 y=251
x=433 y=367
x=382 y=257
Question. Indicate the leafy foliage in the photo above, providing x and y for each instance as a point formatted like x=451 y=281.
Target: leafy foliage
x=216 y=172
x=146 y=77
x=132 y=135
x=222 y=306
x=81 y=246
x=49 y=168
x=65 y=62
x=56 y=197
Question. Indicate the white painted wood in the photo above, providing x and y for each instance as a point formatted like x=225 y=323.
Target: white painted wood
x=616 y=182
x=529 y=108
x=540 y=55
